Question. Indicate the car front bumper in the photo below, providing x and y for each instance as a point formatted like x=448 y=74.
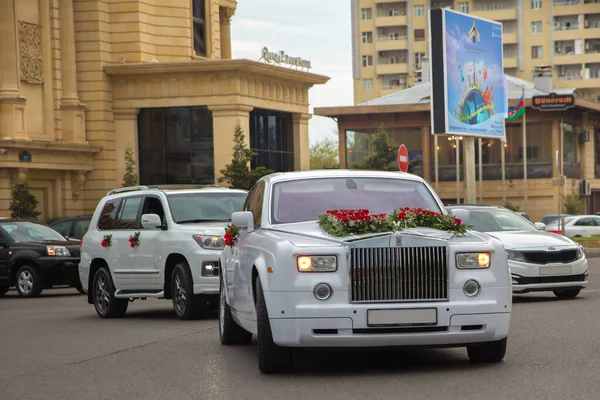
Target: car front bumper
x=299 y=320
x=528 y=277
x=59 y=270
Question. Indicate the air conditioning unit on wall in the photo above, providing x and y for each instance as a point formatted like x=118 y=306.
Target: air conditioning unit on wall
x=584 y=136
x=586 y=188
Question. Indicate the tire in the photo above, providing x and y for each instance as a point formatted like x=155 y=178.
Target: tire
x=29 y=281
x=230 y=333
x=187 y=306
x=4 y=290
x=567 y=293
x=491 y=352
x=271 y=357
x=103 y=296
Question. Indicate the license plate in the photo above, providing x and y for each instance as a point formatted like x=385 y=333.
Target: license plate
x=561 y=270
x=413 y=316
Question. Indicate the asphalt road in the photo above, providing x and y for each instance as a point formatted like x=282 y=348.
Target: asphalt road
x=55 y=347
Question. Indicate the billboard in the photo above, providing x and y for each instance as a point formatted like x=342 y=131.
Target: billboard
x=468 y=88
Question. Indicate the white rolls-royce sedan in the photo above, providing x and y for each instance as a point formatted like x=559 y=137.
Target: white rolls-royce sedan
x=347 y=258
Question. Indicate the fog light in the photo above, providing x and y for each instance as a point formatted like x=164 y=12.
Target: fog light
x=323 y=291
x=210 y=269
x=471 y=288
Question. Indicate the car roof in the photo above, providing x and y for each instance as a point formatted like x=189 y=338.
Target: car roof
x=476 y=206
x=338 y=173
x=169 y=189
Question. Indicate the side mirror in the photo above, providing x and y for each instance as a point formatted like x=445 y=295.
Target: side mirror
x=540 y=225
x=243 y=219
x=151 y=221
x=462 y=214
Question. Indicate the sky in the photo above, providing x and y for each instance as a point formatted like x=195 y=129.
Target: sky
x=315 y=30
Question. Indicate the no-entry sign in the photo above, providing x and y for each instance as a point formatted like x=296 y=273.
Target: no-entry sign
x=402 y=158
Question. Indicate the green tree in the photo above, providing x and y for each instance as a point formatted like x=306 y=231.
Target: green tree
x=574 y=205
x=384 y=155
x=238 y=173
x=130 y=177
x=324 y=155
x=511 y=206
x=23 y=203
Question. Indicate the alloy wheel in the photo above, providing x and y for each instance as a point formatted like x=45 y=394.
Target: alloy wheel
x=180 y=295
x=101 y=293
x=25 y=282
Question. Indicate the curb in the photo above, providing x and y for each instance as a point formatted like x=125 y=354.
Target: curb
x=592 y=253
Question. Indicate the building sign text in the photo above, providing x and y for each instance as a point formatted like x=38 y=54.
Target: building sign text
x=553 y=102
x=282 y=58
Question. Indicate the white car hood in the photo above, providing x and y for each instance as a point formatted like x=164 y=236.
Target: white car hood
x=532 y=239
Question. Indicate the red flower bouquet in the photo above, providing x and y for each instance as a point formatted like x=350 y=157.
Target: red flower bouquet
x=134 y=240
x=106 y=241
x=231 y=235
x=352 y=222
x=403 y=218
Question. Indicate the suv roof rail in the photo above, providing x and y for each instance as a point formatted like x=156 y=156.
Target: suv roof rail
x=183 y=186
x=126 y=189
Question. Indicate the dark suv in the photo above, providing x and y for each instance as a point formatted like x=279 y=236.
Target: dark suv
x=34 y=257
x=72 y=227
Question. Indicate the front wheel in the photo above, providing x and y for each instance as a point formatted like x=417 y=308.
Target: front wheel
x=491 y=352
x=186 y=305
x=272 y=358
x=103 y=294
x=567 y=293
x=230 y=333
x=29 y=281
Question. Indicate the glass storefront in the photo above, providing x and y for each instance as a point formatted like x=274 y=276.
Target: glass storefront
x=570 y=157
x=272 y=137
x=176 y=146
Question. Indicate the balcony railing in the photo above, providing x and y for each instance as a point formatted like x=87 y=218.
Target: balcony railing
x=387 y=86
x=566 y=2
x=566 y=28
x=384 y=38
x=387 y=61
x=569 y=77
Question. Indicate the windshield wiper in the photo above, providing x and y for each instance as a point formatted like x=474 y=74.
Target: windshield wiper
x=195 y=221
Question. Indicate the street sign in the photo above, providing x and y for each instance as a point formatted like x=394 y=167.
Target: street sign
x=402 y=158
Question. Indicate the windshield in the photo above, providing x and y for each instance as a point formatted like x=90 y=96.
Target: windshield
x=304 y=200
x=498 y=220
x=31 y=232
x=204 y=207
x=555 y=221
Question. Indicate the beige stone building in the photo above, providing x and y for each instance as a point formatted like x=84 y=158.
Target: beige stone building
x=80 y=80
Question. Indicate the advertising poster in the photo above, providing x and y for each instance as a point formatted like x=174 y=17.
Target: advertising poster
x=469 y=96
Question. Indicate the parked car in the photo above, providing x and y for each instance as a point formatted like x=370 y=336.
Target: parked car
x=548 y=219
x=291 y=284
x=156 y=242
x=72 y=227
x=34 y=257
x=539 y=261
x=577 y=226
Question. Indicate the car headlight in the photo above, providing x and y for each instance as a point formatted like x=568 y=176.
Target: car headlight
x=317 y=263
x=580 y=253
x=58 y=251
x=515 y=255
x=210 y=242
x=473 y=260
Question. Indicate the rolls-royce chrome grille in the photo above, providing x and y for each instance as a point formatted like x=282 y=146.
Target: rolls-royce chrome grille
x=385 y=274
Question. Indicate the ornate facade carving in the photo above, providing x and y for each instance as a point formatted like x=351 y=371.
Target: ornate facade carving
x=20 y=175
x=77 y=181
x=225 y=15
x=30 y=50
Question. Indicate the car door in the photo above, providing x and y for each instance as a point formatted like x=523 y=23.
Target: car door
x=147 y=259
x=242 y=275
x=4 y=256
x=127 y=225
x=582 y=227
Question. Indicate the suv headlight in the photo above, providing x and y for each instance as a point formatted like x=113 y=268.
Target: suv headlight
x=58 y=251
x=316 y=263
x=473 y=260
x=210 y=242
x=515 y=255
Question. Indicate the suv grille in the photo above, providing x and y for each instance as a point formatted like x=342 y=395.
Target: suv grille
x=399 y=274
x=546 y=257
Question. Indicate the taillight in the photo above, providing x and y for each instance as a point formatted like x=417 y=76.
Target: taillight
x=558 y=231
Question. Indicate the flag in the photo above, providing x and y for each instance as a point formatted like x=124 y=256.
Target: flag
x=519 y=109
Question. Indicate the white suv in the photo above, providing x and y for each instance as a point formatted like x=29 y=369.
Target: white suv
x=162 y=242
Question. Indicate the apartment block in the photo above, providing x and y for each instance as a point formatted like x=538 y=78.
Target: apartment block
x=390 y=38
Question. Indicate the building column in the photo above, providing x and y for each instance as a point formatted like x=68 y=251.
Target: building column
x=301 y=142
x=225 y=118
x=12 y=105
x=342 y=146
x=126 y=135
x=426 y=144
x=225 y=15
x=72 y=111
x=555 y=147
